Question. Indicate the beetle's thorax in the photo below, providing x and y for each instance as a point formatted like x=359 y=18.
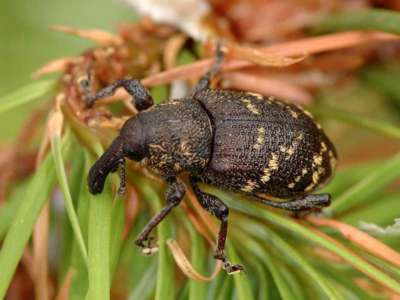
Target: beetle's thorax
x=176 y=136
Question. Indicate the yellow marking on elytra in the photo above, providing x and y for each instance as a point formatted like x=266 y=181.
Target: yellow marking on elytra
x=258 y=96
x=318 y=125
x=310 y=187
x=273 y=162
x=251 y=107
x=297 y=179
x=304 y=171
x=272 y=165
x=250 y=186
x=290 y=151
x=267 y=175
x=315 y=177
x=185 y=149
x=332 y=162
x=308 y=114
x=332 y=159
x=177 y=167
x=159 y=147
x=260 y=138
x=317 y=160
x=291 y=185
x=294 y=114
x=323 y=147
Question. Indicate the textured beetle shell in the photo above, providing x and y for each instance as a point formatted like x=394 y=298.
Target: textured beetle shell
x=261 y=145
x=178 y=136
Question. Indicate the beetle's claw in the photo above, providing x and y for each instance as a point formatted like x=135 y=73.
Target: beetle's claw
x=232 y=269
x=149 y=246
x=150 y=251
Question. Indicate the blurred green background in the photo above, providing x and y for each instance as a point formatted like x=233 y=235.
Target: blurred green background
x=26 y=42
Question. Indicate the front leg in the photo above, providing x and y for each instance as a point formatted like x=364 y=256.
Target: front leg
x=141 y=98
x=218 y=208
x=174 y=195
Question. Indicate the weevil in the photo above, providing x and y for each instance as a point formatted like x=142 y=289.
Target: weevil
x=242 y=142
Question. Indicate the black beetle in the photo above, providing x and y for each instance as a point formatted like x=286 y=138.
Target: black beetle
x=238 y=141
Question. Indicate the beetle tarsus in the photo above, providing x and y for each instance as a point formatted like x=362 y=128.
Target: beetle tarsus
x=149 y=246
x=175 y=194
x=219 y=209
x=232 y=269
x=228 y=266
x=308 y=203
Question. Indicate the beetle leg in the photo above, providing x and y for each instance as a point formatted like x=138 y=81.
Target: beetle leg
x=141 y=98
x=218 y=208
x=205 y=80
x=307 y=203
x=175 y=193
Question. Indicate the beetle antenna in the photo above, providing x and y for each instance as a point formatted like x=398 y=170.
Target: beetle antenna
x=107 y=163
x=85 y=83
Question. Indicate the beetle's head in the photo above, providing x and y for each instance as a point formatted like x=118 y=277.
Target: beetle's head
x=130 y=144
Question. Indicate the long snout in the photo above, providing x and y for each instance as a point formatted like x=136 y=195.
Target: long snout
x=107 y=163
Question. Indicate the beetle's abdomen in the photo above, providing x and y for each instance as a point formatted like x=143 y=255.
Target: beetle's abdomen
x=266 y=146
